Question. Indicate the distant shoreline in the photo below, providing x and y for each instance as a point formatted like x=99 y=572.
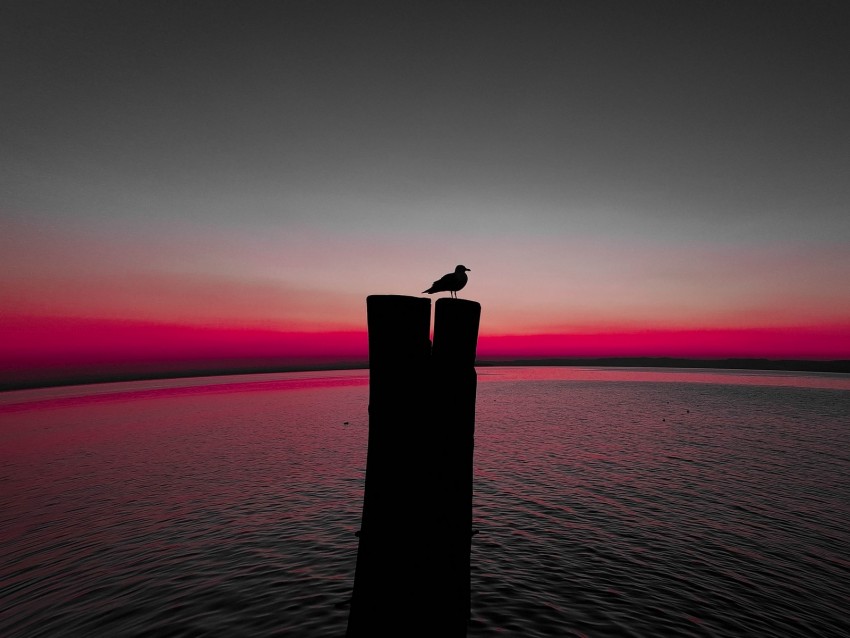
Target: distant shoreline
x=789 y=365
x=839 y=366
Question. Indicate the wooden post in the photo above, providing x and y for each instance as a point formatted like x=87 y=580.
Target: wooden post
x=412 y=574
x=455 y=383
x=399 y=356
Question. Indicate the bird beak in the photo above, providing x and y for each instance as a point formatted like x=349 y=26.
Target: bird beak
x=469 y=270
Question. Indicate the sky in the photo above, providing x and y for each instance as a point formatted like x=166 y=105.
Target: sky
x=202 y=185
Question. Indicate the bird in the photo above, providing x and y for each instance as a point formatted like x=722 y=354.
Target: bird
x=451 y=283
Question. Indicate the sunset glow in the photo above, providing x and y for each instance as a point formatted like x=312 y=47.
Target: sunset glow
x=224 y=191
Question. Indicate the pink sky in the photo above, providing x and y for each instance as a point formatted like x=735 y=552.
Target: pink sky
x=90 y=300
x=211 y=187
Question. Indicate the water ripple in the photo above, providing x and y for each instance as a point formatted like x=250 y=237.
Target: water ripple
x=605 y=508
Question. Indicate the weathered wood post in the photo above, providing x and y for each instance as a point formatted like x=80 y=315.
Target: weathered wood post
x=399 y=358
x=412 y=574
x=455 y=382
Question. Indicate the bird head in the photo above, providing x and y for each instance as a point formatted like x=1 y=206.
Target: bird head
x=461 y=269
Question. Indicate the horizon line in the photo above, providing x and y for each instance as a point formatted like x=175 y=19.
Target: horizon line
x=834 y=366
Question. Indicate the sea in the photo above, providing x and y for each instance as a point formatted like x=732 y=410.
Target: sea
x=608 y=502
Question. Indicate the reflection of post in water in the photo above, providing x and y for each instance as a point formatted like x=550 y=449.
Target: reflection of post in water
x=413 y=559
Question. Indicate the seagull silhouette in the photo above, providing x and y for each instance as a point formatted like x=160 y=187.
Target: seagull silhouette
x=451 y=283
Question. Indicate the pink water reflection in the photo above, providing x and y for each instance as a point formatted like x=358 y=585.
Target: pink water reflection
x=829 y=381
x=17 y=400
x=127 y=508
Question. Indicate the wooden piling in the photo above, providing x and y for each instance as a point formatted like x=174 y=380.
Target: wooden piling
x=412 y=574
x=455 y=383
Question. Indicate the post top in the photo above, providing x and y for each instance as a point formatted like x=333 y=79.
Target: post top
x=449 y=302
x=397 y=300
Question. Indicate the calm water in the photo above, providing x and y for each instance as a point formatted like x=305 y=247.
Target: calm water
x=609 y=502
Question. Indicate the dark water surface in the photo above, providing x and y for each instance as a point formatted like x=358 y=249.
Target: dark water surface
x=610 y=502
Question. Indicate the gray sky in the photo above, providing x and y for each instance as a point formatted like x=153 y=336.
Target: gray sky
x=595 y=163
x=724 y=118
